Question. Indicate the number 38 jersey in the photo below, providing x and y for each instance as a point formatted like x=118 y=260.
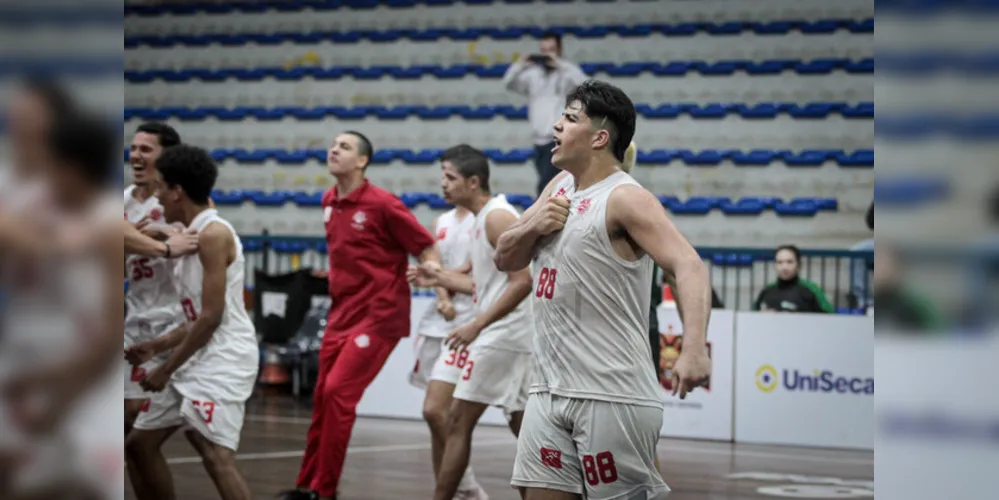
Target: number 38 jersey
x=592 y=307
x=152 y=302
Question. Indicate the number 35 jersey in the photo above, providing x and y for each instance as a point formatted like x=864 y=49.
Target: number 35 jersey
x=152 y=302
x=592 y=307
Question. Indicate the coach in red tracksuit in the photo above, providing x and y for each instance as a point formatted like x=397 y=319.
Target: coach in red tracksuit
x=370 y=235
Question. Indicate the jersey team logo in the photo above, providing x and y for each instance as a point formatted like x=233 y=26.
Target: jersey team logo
x=359 y=218
x=583 y=206
x=441 y=233
x=560 y=192
x=156 y=214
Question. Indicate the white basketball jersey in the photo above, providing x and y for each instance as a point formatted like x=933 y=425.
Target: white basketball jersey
x=514 y=331
x=592 y=307
x=225 y=369
x=152 y=302
x=454 y=239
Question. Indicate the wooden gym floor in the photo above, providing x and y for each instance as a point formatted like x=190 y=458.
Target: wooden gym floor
x=390 y=459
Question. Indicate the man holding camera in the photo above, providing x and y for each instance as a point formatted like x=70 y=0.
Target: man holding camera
x=545 y=78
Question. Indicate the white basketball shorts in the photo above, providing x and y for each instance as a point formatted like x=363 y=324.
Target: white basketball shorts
x=134 y=375
x=218 y=421
x=608 y=453
x=495 y=377
x=434 y=361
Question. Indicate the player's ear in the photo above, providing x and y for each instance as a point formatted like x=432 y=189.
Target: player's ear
x=601 y=139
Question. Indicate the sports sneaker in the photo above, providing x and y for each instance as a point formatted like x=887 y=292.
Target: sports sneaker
x=298 y=495
x=477 y=494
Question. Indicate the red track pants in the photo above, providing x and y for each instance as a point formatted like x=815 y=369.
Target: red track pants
x=348 y=363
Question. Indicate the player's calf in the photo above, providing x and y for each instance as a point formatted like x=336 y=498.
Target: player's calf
x=144 y=449
x=220 y=463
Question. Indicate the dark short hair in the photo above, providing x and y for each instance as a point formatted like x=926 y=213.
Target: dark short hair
x=364 y=145
x=602 y=100
x=469 y=162
x=791 y=248
x=553 y=35
x=166 y=134
x=87 y=143
x=191 y=168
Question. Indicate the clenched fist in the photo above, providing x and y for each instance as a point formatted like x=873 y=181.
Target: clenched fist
x=552 y=215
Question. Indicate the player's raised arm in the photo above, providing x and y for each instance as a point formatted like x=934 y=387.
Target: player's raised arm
x=641 y=215
x=515 y=247
x=216 y=248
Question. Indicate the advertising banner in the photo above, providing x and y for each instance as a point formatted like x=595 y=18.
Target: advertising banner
x=804 y=379
x=707 y=412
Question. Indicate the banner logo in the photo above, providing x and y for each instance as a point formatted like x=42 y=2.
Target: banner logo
x=766 y=378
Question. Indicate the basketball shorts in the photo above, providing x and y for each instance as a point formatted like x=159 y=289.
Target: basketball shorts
x=608 y=453
x=434 y=361
x=495 y=377
x=134 y=375
x=218 y=421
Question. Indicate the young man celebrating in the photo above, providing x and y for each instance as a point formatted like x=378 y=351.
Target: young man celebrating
x=152 y=307
x=370 y=235
x=212 y=364
x=499 y=338
x=593 y=419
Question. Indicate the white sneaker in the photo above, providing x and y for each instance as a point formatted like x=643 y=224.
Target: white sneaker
x=477 y=494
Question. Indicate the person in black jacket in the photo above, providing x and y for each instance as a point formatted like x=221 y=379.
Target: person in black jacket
x=791 y=293
x=900 y=308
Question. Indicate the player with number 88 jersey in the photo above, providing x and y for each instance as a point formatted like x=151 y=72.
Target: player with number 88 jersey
x=593 y=419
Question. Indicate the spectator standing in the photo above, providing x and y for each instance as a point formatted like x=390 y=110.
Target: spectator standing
x=791 y=293
x=545 y=79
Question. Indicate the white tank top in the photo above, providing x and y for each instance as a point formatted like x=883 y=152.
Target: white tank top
x=152 y=301
x=225 y=369
x=592 y=307
x=513 y=332
x=454 y=239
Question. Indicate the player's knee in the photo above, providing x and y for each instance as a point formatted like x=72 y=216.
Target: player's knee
x=435 y=416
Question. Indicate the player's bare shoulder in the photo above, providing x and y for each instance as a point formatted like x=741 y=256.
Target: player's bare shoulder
x=216 y=240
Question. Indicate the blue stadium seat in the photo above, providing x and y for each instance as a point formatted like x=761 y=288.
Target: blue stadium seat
x=303 y=199
x=524 y=201
x=627 y=69
x=797 y=208
x=732 y=260
x=745 y=206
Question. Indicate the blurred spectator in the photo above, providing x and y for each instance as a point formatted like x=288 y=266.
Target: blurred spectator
x=860 y=288
x=899 y=307
x=791 y=293
x=545 y=79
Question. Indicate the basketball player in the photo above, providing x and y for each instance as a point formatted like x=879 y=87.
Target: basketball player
x=499 y=338
x=212 y=365
x=61 y=380
x=438 y=368
x=152 y=305
x=594 y=415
